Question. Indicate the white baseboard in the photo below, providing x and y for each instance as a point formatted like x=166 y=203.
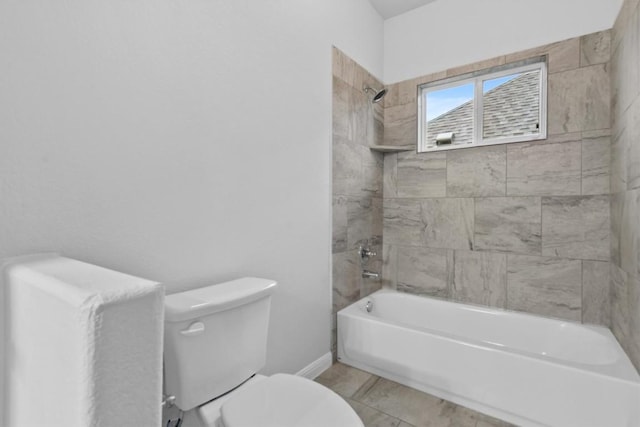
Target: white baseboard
x=316 y=367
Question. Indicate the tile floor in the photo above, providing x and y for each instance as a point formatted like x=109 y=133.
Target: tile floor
x=383 y=403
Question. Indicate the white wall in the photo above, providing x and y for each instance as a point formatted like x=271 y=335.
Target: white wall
x=448 y=33
x=99 y=363
x=184 y=142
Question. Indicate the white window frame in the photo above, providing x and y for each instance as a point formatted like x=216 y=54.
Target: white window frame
x=478 y=78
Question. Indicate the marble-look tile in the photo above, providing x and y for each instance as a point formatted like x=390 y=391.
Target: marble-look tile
x=390 y=175
x=389 y=266
x=407 y=404
x=403 y=222
x=435 y=223
x=579 y=100
x=596 y=307
x=427 y=78
x=452 y=415
x=378 y=125
x=616 y=206
x=344 y=380
x=476 y=66
x=347 y=167
x=595 y=48
x=400 y=124
x=545 y=286
x=482 y=420
x=622 y=21
x=509 y=224
x=378 y=110
x=364 y=79
x=535 y=169
x=620 y=315
x=419 y=409
x=346 y=279
x=368 y=80
x=616 y=70
x=370 y=285
x=339 y=234
x=562 y=56
x=399 y=114
x=619 y=143
x=634 y=321
x=376 y=221
x=576 y=227
x=401 y=133
x=425 y=271
x=477 y=172
x=361 y=117
x=371 y=417
x=372 y=164
x=596 y=160
x=480 y=278
x=344 y=67
x=564 y=137
x=630 y=233
x=341 y=113
x=448 y=223
x=406 y=91
x=360 y=220
x=421 y=174
x=392 y=96
x=633 y=145
x=625 y=57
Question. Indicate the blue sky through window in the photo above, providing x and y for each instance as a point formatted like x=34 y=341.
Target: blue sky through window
x=445 y=100
x=487 y=85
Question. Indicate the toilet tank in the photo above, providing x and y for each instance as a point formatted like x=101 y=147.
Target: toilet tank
x=215 y=338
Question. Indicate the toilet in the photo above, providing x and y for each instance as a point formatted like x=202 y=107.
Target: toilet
x=214 y=346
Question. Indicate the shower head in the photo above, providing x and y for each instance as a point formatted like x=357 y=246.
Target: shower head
x=377 y=95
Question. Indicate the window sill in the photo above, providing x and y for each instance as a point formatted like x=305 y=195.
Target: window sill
x=392 y=148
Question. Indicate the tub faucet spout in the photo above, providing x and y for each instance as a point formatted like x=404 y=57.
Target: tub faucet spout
x=366 y=274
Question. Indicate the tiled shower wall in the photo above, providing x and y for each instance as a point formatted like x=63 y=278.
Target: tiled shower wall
x=520 y=226
x=625 y=180
x=357 y=182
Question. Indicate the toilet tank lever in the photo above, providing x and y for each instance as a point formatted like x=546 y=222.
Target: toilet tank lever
x=168 y=401
x=196 y=328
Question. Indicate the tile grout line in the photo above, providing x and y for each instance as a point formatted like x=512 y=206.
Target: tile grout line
x=400 y=420
x=375 y=379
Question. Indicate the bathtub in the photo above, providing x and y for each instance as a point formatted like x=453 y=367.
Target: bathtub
x=524 y=369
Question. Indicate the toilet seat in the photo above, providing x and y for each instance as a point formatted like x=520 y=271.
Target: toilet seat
x=287 y=401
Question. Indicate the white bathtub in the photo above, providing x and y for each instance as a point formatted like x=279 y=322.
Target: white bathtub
x=528 y=370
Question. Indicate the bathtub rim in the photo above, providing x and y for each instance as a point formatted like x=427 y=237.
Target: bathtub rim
x=479 y=307
x=628 y=375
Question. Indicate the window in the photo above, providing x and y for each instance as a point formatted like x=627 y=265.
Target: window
x=497 y=106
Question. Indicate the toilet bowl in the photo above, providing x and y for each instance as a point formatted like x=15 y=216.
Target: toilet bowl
x=215 y=344
x=281 y=400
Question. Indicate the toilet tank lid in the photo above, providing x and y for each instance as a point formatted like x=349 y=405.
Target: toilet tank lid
x=214 y=298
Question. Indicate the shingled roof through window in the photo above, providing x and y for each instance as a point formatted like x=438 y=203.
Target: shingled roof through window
x=510 y=109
